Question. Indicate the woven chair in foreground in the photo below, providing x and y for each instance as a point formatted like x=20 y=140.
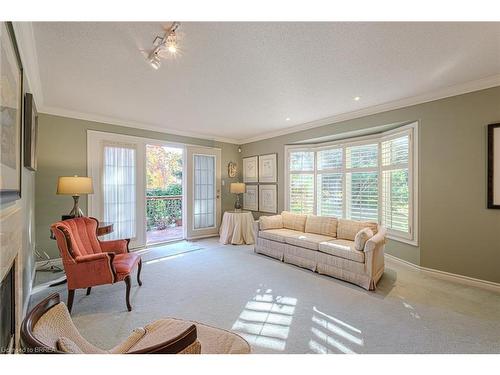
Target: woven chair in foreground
x=48 y=329
x=90 y=262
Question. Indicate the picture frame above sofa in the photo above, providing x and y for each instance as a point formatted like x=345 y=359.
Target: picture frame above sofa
x=251 y=198
x=250 y=169
x=268 y=198
x=268 y=168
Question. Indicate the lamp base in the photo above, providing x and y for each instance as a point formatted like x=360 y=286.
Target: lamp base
x=76 y=211
x=237 y=204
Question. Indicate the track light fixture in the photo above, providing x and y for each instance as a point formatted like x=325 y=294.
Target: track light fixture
x=161 y=44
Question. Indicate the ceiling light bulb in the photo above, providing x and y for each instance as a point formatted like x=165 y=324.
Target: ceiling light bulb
x=287 y=119
x=154 y=60
x=172 y=48
x=356 y=98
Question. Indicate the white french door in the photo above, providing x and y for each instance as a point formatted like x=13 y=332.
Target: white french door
x=116 y=165
x=203 y=198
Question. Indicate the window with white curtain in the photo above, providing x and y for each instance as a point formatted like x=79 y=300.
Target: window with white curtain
x=369 y=178
x=119 y=189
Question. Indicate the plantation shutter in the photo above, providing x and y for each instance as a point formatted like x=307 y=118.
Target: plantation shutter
x=395 y=184
x=301 y=192
x=362 y=182
x=330 y=182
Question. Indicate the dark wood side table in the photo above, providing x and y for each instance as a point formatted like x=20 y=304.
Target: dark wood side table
x=103 y=229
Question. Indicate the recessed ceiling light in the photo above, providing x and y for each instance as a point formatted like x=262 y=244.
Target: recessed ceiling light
x=287 y=119
x=356 y=98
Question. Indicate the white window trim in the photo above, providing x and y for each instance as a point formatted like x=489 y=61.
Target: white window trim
x=413 y=173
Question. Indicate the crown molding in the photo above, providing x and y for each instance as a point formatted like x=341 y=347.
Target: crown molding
x=25 y=38
x=130 y=124
x=464 y=88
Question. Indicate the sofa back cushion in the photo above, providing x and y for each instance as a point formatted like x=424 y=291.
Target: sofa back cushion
x=294 y=221
x=347 y=229
x=324 y=225
x=271 y=222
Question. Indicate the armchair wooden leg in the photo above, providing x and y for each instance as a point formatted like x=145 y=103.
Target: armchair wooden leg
x=88 y=290
x=127 y=282
x=71 y=297
x=139 y=268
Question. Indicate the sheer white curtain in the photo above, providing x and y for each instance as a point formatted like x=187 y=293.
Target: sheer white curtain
x=119 y=189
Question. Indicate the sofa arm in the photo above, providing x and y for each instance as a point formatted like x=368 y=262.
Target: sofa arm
x=377 y=241
x=115 y=246
x=255 y=227
x=148 y=344
x=374 y=253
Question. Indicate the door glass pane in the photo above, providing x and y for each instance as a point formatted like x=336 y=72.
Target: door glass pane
x=204 y=191
x=119 y=190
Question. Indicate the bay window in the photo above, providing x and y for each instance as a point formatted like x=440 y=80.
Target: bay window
x=371 y=178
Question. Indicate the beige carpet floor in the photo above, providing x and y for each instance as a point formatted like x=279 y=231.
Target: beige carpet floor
x=280 y=308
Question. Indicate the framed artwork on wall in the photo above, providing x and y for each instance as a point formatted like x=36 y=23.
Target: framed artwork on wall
x=268 y=198
x=30 y=132
x=251 y=198
x=250 y=169
x=268 y=168
x=494 y=166
x=11 y=104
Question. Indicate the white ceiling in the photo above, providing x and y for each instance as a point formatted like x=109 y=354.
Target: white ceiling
x=240 y=81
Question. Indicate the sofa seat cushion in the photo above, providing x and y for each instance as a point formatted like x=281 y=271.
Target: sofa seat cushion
x=342 y=249
x=347 y=229
x=278 y=235
x=324 y=225
x=307 y=240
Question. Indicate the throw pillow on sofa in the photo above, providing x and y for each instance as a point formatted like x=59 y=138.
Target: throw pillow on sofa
x=361 y=237
x=347 y=229
x=324 y=225
x=294 y=221
x=271 y=222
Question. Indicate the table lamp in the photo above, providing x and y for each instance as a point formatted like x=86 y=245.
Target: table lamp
x=75 y=186
x=237 y=188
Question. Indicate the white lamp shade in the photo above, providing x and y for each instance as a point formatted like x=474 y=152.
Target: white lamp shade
x=237 y=188
x=75 y=185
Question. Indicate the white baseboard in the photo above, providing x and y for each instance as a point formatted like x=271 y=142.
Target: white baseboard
x=485 y=284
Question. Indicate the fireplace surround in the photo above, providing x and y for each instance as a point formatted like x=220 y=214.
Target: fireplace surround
x=7 y=312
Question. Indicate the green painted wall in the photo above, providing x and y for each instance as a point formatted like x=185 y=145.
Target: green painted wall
x=458 y=233
x=62 y=151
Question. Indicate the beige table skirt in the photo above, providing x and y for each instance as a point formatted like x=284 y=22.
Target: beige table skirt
x=237 y=228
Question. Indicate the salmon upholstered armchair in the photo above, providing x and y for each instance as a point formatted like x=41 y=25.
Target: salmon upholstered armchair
x=90 y=262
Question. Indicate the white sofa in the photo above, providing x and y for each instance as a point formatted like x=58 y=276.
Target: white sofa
x=326 y=245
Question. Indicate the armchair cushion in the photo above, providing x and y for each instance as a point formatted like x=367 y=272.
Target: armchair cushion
x=68 y=346
x=166 y=336
x=124 y=263
x=130 y=341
